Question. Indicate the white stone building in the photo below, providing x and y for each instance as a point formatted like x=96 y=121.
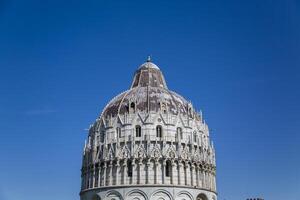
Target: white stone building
x=149 y=143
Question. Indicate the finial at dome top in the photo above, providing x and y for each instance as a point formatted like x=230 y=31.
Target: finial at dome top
x=149 y=58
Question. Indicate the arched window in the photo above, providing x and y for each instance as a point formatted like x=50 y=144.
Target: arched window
x=179 y=133
x=129 y=168
x=163 y=107
x=132 y=107
x=127 y=108
x=138 y=131
x=202 y=197
x=98 y=139
x=190 y=111
x=118 y=130
x=158 y=131
x=195 y=136
x=96 y=176
x=168 y=168
x=102 y=136
x=96 y=197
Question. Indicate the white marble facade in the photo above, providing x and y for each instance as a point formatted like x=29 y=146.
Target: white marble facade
x=149 y=145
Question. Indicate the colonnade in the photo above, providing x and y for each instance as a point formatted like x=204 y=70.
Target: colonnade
x=148 y=171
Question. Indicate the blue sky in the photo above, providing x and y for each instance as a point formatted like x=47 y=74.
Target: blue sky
x=62 y=61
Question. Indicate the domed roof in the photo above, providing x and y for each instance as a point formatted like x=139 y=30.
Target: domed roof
x=149 y=64
x=148 y=93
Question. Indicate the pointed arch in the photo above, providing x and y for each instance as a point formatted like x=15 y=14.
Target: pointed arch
x=201 y=196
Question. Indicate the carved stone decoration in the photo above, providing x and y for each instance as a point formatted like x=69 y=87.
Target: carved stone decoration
x=197 y=157
x=99 y=155
x=140 y=152
x=185 y=153
x=156 y=152
x=111 y=155
x=127 y=157
x=171 y=152
x=105 y=152
x=124 y=152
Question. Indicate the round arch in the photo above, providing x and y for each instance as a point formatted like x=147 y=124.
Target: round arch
x=96 y=197
x=161 y=195
x=184 y=195
x=201 y=196
x=113 y=195
x=136 y=194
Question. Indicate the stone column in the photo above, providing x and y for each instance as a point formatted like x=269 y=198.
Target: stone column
x=180 y=178
x=188 y=174
x=156 y=171
x=172 y=172
x=210 y=180
x=134 y=172
x=195 y=175
x=89 y=177
x=82 y=181
x=94 y=176
x=163 y=171
x=215 y=184
x=104 y=173
x=148 y=170
x=85 y=177
x=125 y=172
x=117 y=172
x=192 y=174
x=185 y=173
x=140 y=176
x=110 y=180
x=204 y=179
x=198 y=175
x=99 y=175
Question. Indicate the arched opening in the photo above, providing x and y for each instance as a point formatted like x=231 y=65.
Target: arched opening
x=195 y=136
x=129 y=168
x=136 y=194
x=179 y=133
x=184 y=195
x=132 y=107
x=168 y=168
x=118 y=130
x=138 y=131
x=201 y=197
x=113 y=195
x=161 y=195
x=158 y=131
x=96 y=175
x=96 y=197
x=102 y=136
x=164 y=108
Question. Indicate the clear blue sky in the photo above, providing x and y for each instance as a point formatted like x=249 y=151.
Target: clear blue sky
x=62 y=61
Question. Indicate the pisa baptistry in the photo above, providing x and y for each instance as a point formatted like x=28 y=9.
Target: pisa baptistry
x=149 y=143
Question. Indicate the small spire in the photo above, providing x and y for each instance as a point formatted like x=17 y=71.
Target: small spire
x=149 y=59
